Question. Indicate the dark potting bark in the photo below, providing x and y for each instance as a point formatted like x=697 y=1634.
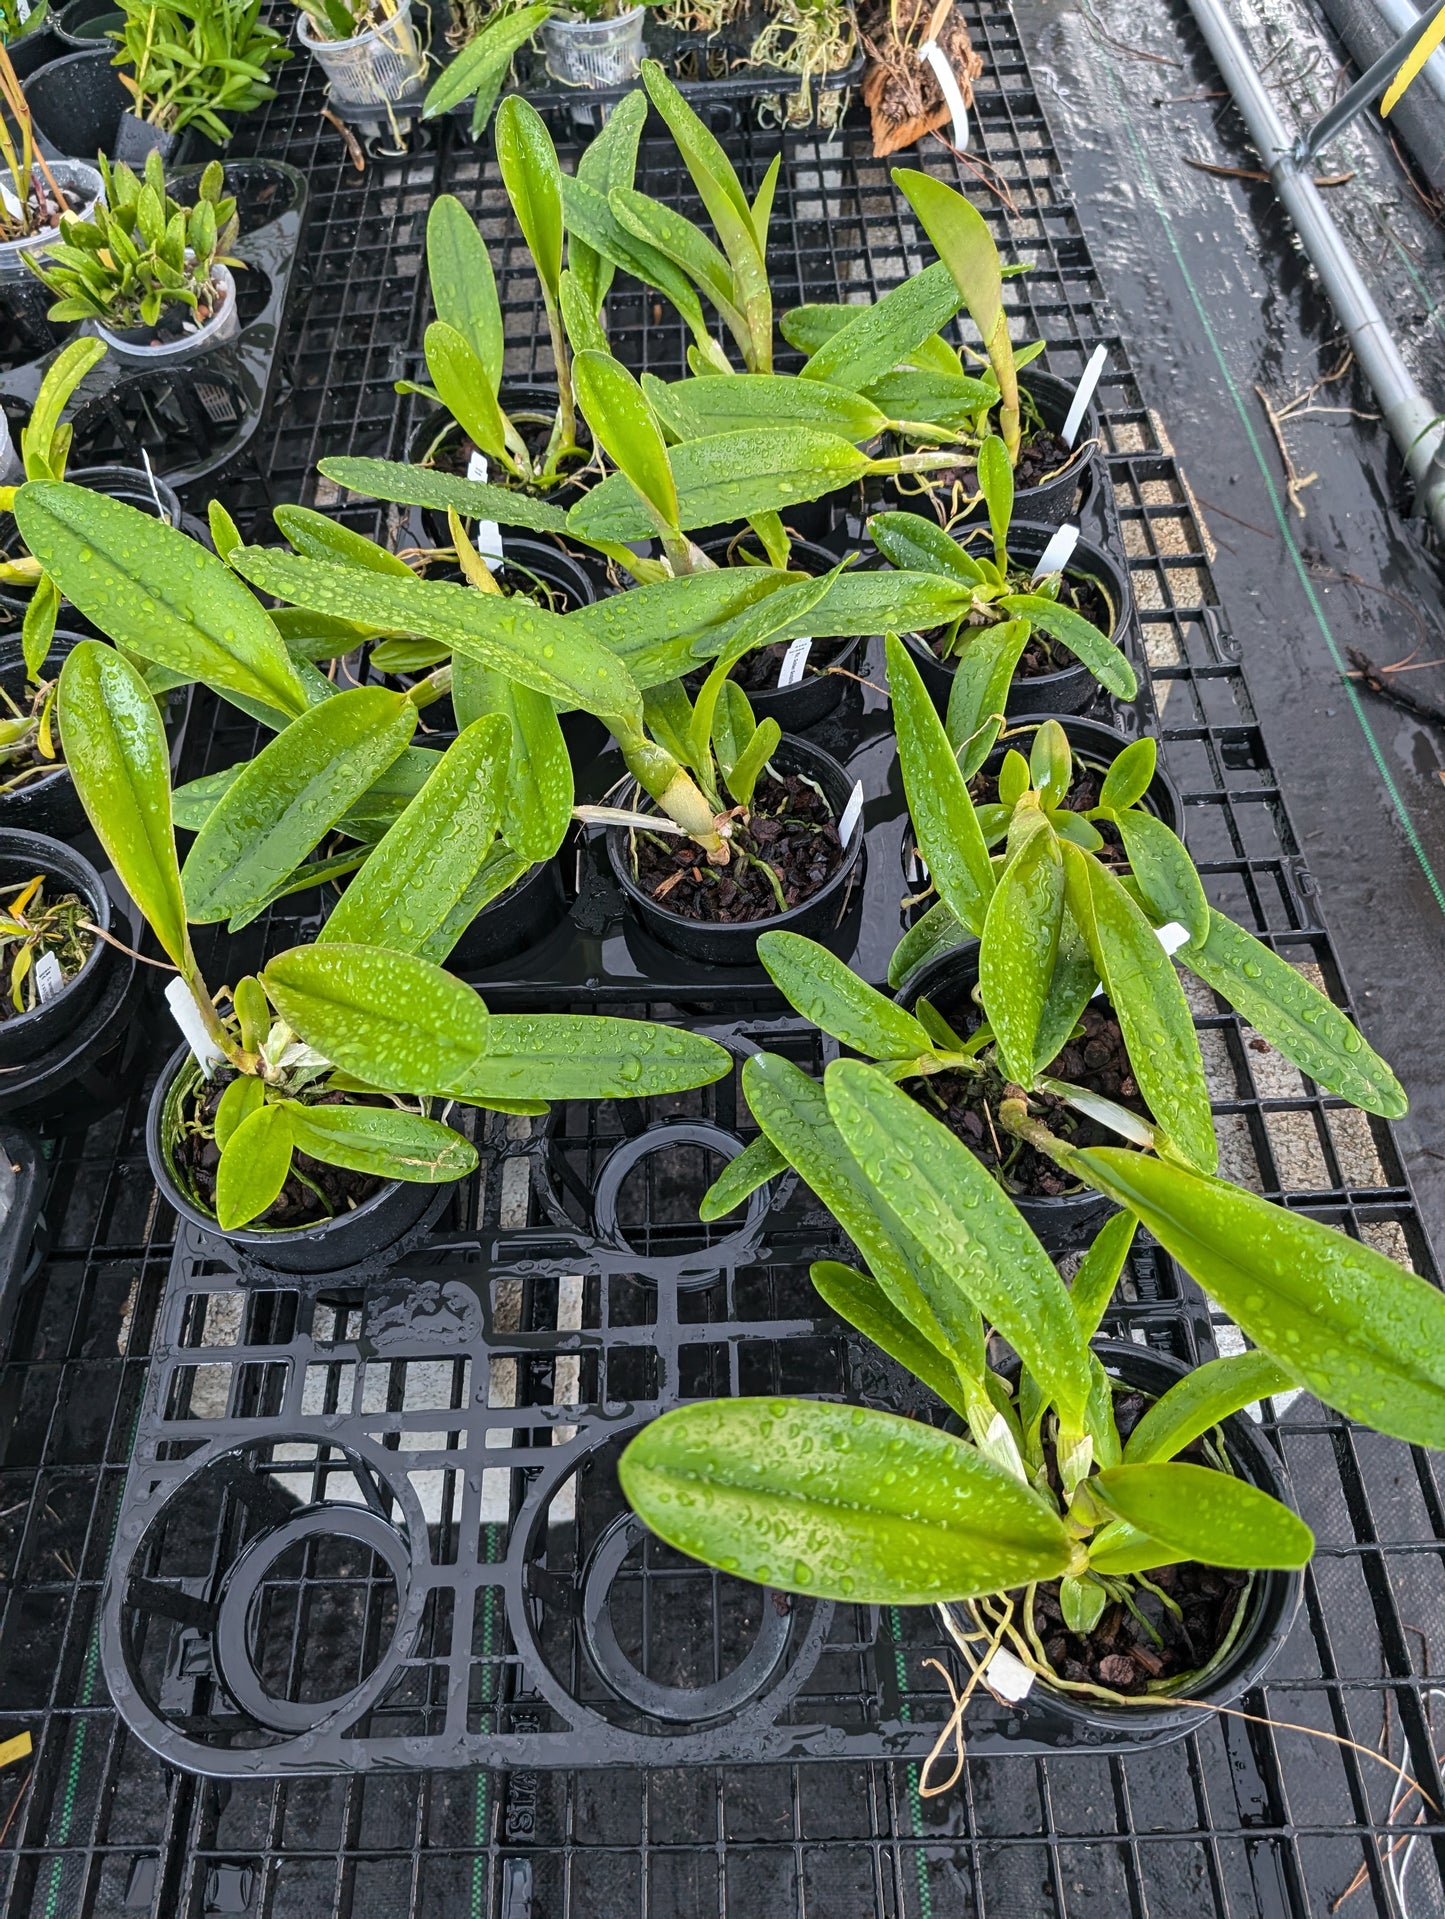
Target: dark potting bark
x=790 y=826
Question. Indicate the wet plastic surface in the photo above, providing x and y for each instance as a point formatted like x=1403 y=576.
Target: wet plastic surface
x=1241 y=1818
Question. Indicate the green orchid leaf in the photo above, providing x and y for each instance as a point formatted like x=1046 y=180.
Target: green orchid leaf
x=792 y=1110
x=587 y=1056
x=830 y=994
x=395 y=1021
x=839 y=1501
x=537 y=648
x=537 y=787
x=1128 y=778
x=626 y=426
x=719 y=403
x=414 y=877
x=1202 y=1514
x=1089 y=646
x=253 y=1166
x=463 y=286
x=1200 y=1401
x=1361 y=1333
x=1294 y=1016
x=755 y=1165
x=481 y=66
x=862 y=1302
x=743 y=775
x=978 y=698
x=528 y=163
x=421 y=486
x=1017 y=947
x=908 y=540
x=1099 y=1270
x=465 y=389
x=958 y=1213
x=119 y=759
x=288 y=799
x=1165 y=873
x=157 y=592
x=938 y=931
x=501 y=868
x=241 y=1097
x=1149 y=1004
x=323 y=539
x=943 y=815
x=382 y=1141
x=873 y=340
x=608 y=161
x=725 y=477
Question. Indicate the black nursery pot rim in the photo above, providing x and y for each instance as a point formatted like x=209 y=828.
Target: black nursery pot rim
x=171 y=1088
x=1269 y=1602
x=790 y=749
x=1027 y=539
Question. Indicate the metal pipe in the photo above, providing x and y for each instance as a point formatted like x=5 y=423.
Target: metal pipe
x=1414 y=424
x=1367 y=89
x=1399 y=16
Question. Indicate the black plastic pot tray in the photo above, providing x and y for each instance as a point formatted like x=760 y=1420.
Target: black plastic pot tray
x=382 y=1528
x=193 y=422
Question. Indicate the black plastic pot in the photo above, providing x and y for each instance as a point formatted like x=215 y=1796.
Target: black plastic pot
x=1057 y=500
x=136 y=138
x=76 y=103
x=1073 y=687
x=349 y=1241
x=738 y=945
x=515 y=920
x=798 y=707
x=35 y=49
x=126 y=483
x=87 y=23
x=1070 y=1719
x=525 y=406
x=26 y=1037
x=1063 y=1221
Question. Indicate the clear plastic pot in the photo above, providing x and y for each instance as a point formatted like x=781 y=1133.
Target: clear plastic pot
x=594 y=53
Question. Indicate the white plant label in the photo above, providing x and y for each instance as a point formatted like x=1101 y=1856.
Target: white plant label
x=794 y=660
x=186 y=1015
x=489 y=534
x=49 y=980
x=953 y=94
x=1057 y=554
x=852 y=813
x=1084 y=393
x=1009 y=1677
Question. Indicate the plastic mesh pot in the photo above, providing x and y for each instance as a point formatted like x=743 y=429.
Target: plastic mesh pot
x=383 y=67
x=594 y=53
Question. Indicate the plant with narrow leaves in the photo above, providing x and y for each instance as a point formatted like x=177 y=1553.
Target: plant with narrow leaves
x=44 y=450
x=365 y=1013
x=464 y=344
x=141 y=252
x=187 y=62
x=1055 y=921
x=1007 y=605
x=480 y=69
x=662 y=248
x=864 y=1506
